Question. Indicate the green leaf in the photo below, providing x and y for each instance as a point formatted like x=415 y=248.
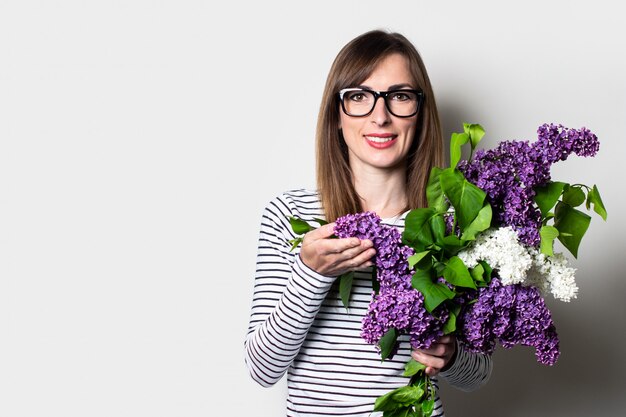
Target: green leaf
x=488 y=271
x=598 y=206
x=452 y=245
x=417 y=232
x=345 y=287
x=478 y=273
x=415 y=258
x=465 y=197
x=434 y=193
x=387 y=343
x=321 y=222
x=386 y=402
x=295 y=242
x=475 y=132
x=438 y=228
x=547 y=196
x=412 y=367
x=299 y=226
x=408 y=395
x=450 y=325
x=481 y=223
x=572 y=225
x=573 y=196
x=403 y=411
x=548 y=234
x=428 y=407
x=406 y=411
x=434 y=293
x=438 y=267
x=456 y=273
x=456 y=143
x=398 y=400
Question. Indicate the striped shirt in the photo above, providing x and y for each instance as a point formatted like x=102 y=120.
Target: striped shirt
x=298 y=325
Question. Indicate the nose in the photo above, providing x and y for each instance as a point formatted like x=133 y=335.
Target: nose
x=380 y=115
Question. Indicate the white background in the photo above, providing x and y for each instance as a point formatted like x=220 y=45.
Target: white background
x=140 y=140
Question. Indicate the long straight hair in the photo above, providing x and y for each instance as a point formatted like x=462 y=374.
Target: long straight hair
x=355 y=62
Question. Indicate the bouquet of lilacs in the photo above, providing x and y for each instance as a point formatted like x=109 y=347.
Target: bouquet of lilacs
x=479 y=260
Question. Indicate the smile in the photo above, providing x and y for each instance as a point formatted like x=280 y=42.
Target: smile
x=381 y=141
x=378 y=139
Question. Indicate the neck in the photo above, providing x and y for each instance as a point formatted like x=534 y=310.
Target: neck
x=382 y=193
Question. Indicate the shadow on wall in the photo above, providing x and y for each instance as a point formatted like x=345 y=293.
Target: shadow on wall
x=590 y=375
x=588 y=378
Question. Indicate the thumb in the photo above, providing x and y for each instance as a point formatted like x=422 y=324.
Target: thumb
x=322 y=232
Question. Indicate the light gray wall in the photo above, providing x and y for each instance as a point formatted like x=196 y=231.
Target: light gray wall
x=140 y=140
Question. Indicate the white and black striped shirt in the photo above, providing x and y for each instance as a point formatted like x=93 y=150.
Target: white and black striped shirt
x=298 y=325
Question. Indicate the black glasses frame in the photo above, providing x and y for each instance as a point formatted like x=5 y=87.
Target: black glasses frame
x=384 y=95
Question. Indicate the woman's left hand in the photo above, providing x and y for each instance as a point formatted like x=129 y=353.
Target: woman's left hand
x=438 y=356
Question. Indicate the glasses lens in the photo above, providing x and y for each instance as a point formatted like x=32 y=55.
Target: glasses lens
x=402 y=103
x=358 y=102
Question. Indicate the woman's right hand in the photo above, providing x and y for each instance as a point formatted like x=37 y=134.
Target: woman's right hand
x=333 y=257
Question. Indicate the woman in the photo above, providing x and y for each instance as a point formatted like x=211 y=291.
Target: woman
x=378 y=136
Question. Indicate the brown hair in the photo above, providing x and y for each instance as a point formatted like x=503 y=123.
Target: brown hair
x=354 y=64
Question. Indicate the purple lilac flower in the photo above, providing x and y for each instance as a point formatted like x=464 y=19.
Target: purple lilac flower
x=510 y=172
x=405 y=311
x=511 y=315
x=391 y=255
x=397 y=304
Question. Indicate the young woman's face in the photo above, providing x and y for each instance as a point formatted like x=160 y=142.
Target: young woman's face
x=380 y=140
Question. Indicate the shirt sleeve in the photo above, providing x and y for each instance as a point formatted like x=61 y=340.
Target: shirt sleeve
x=286 y=298
x=469 y=371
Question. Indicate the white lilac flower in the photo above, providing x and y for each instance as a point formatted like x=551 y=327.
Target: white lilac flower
x=501 y=249
x=520 y=264
x=552 y=275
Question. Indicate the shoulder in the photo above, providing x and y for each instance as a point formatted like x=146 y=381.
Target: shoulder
x=302 y=196
x=301 y=203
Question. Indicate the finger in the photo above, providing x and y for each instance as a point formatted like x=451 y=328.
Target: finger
x=435 y=350
x=429 y=360
x=444 y=346
x=354 y=265
x=351 y=252
x=345 y=248
x=430 y=371
x=351 y=259
x=365 y=265
x=322 y=232
x=363 y=259
x=446 y=340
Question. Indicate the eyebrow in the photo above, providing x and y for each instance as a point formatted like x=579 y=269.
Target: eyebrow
x=391 y=87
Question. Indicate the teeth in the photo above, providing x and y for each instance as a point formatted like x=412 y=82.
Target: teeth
x=379 y=140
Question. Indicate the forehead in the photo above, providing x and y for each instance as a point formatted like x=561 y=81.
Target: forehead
x=392 y=70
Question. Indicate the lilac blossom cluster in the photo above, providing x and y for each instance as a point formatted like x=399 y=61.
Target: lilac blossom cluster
x=510 y=172
x=512 y=315
x=396 y=305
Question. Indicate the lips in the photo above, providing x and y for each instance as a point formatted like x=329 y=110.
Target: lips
x=380 y=141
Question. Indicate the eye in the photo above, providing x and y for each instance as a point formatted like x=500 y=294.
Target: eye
x=357 y=96
x=401 y=96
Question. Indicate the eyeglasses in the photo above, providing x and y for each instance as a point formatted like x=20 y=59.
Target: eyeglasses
x=359 y=102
